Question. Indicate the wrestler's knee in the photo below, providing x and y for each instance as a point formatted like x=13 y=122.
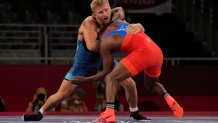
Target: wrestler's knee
x=150 y=85
x=128 y=83
x=109 y=79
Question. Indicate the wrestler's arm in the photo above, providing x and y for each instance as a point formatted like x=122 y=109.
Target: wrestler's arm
x=108 y=62
x=118 y=14
x=135 y=28
x=90 y=34
x=106 y=50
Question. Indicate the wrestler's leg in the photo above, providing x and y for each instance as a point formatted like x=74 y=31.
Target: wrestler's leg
x=129 y=86
x=64 y=91
x=118 y=74
x=130 y=91
x=152 y=85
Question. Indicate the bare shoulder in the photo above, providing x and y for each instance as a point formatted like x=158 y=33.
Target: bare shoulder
x=90 y=21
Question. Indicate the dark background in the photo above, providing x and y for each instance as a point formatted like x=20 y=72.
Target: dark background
x=187 y=35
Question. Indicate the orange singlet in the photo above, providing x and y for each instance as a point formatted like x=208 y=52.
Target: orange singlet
x=144 y=54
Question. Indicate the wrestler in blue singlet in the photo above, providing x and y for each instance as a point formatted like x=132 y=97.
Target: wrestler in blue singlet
x=85 y=62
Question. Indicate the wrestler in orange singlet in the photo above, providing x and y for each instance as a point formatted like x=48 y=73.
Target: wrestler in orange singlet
x=144 y=55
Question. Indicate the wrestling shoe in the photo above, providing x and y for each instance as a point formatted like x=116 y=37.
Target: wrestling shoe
x=98 y=119
x=175 y=107
x=33 y=117
x=136 y=116
x=107 y=116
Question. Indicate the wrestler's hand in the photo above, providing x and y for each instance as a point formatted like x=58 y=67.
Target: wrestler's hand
x=118 y=14
x=135 y=28
x=79 y=79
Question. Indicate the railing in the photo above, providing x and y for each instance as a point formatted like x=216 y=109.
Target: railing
x=196 y=61
x=24 y=43
x=51 y=44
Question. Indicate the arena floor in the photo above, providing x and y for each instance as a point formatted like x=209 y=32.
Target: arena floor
x=197 y=117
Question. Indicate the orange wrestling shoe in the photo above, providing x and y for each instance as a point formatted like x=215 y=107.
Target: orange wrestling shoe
x=177 y=110
x=107 y=116
x=175 y=107
x=99 y=119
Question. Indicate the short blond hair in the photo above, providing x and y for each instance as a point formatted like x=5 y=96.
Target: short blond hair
x=96 y=3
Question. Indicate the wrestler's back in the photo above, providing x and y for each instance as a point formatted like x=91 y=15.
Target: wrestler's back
x=116 y=32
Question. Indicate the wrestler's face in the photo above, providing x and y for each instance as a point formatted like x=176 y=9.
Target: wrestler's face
x=103 y=14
